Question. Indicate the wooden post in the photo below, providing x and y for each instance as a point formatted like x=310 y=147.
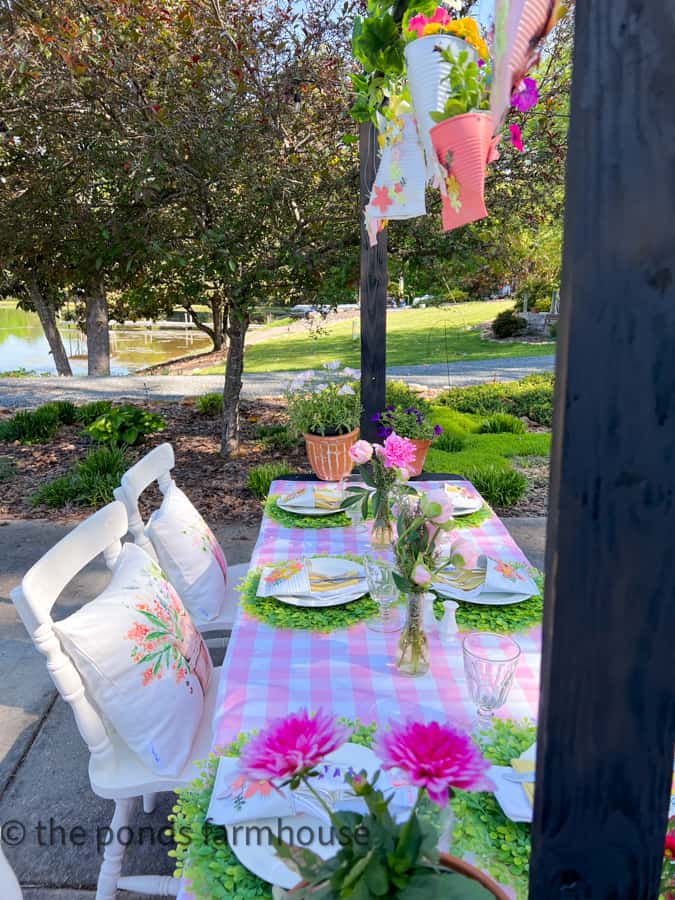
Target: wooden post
x=373 y=294
x=607 y=712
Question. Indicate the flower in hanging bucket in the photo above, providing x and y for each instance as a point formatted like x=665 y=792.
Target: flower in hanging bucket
x=434 y=756
x=440 y=22
x=525 y=96
x=516 y=137
x=293 y=746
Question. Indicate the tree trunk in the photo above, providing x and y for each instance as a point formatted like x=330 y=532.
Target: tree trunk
x=217 y=332
x=47 y=316
x=238 y=323
x=98 y=333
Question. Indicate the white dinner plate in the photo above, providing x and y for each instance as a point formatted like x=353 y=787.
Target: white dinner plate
x=260 y=858
x=467 y=502
x=308 y=510
x=330 y=566
x=319 y=602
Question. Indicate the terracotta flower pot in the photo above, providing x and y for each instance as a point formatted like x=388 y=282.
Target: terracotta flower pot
x=463 y=145
x=462 y=868
x=421 y=450
x=329 y=456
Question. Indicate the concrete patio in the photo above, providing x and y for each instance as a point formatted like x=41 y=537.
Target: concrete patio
x=51 y=820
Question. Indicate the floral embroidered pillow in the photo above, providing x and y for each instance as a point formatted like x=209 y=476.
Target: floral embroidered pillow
x=190 y=555
x=142 y=660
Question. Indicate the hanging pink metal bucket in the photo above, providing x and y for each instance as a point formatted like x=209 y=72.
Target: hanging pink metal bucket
x=463 y=145
x=536 y=20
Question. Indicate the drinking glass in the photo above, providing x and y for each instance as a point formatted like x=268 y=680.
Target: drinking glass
x=490 y=662
x=383 y=590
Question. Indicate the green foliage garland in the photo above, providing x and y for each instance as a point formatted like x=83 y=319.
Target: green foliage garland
x=280 y=615
x=511 y=619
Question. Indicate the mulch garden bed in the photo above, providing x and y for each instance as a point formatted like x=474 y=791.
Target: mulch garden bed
x=216 y=486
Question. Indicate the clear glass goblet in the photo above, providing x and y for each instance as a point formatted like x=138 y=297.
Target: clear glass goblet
x=490 y=663
x=383 y=590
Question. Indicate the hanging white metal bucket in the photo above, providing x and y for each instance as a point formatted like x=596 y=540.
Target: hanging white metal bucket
x=429 y=89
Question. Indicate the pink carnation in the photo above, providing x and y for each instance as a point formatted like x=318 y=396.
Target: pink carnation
x=291 y=745
x=434 y=756
x=399 y=452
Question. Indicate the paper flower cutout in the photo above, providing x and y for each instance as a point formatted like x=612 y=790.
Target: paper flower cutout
x=382 y=199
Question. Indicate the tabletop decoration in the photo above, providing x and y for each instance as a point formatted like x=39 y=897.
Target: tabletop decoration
x=473 y=520
x=297 y=520
x=421 y=520
x=382 y=468
x=324 y=407
x=480 y=828
x=410 y=423
x=280 y=615
x=378 y=856
x=513 y=619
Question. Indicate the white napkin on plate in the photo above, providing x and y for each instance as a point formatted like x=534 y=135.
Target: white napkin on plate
x=511 y=796
x=501 y=577
x=462 y=497
x=312 y=497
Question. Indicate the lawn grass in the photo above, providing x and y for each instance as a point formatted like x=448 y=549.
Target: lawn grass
x=414 y=337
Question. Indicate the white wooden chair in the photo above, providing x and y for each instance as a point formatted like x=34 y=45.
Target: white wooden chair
x=115 y=772
x=9 y=886
x=156 y=466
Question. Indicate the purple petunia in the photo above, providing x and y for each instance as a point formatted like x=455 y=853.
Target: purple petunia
x=526 y=96
x=438 y=429
x=375 y=418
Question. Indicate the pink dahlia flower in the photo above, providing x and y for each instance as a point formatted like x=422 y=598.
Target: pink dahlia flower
x=291 y=745
x=434 y=756
x=399 y=452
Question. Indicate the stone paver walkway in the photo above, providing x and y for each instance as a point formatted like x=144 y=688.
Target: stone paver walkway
x=27 y=392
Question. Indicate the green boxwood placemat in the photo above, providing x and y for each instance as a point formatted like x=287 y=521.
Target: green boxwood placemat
x=500 y=846
x=473 y=520
x=510 y=619
x=293 y=520
x=280 y=615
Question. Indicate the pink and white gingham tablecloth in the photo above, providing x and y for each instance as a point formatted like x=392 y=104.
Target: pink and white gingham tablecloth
x=269 y=672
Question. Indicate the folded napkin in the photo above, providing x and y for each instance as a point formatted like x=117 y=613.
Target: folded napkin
x=309 y=497
x=490 y=576
x=526 y=763
x=285 y=579
x=326 y=577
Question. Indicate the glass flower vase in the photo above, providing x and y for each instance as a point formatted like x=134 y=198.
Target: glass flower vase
x=413 y=646
x=382 y=531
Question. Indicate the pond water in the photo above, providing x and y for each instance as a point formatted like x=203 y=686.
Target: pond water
x=24 y=346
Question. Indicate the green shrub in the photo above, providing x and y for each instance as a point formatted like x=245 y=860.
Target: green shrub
x=260 y=478
x=398 y=393
x=125 y=426
x=508 y=324
x=450 y=442
x=210 y=405
x=499 y=423
x=90 y=482
x=7 y=468
x=31 y=427
x=553 y=330
x=276 y=437
x=501 y=487
x=65 y=410
x=90 y=412
x=531 y=397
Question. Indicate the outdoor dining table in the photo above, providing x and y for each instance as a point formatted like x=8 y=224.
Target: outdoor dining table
x=269 y=672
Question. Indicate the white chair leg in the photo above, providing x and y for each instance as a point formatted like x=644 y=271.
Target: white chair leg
x=149 y=803
x=113 y=856
x=152 y=885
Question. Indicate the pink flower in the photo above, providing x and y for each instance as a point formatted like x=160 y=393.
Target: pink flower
x=467 y=550
x=434 y=756
x=404 y=474
x=361 y=452
x=438 y=507
x=399 y=452
x=421 y=575
x=440 y=16
x=526 y=96
x=417 y=24
x=516 y=137
x=292 y=745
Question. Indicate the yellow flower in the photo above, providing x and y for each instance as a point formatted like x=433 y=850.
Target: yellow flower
x=467 y=29
x=432 y=28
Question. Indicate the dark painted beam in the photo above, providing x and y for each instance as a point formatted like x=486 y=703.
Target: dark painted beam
x=373 y=293
x=607 y=713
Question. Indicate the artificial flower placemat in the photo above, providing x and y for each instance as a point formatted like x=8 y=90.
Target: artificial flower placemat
x=297 y=520
x=511 y=619
x=280 y=615
x=499 y=846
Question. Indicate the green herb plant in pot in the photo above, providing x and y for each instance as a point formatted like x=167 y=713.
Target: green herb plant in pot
x=378 y=854
x=324 y=407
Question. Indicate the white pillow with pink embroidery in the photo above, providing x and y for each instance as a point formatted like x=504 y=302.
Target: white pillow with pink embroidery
x=142 y=660
x=190 y=555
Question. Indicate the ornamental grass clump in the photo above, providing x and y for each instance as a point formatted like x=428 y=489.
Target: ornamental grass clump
x=378 y=856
